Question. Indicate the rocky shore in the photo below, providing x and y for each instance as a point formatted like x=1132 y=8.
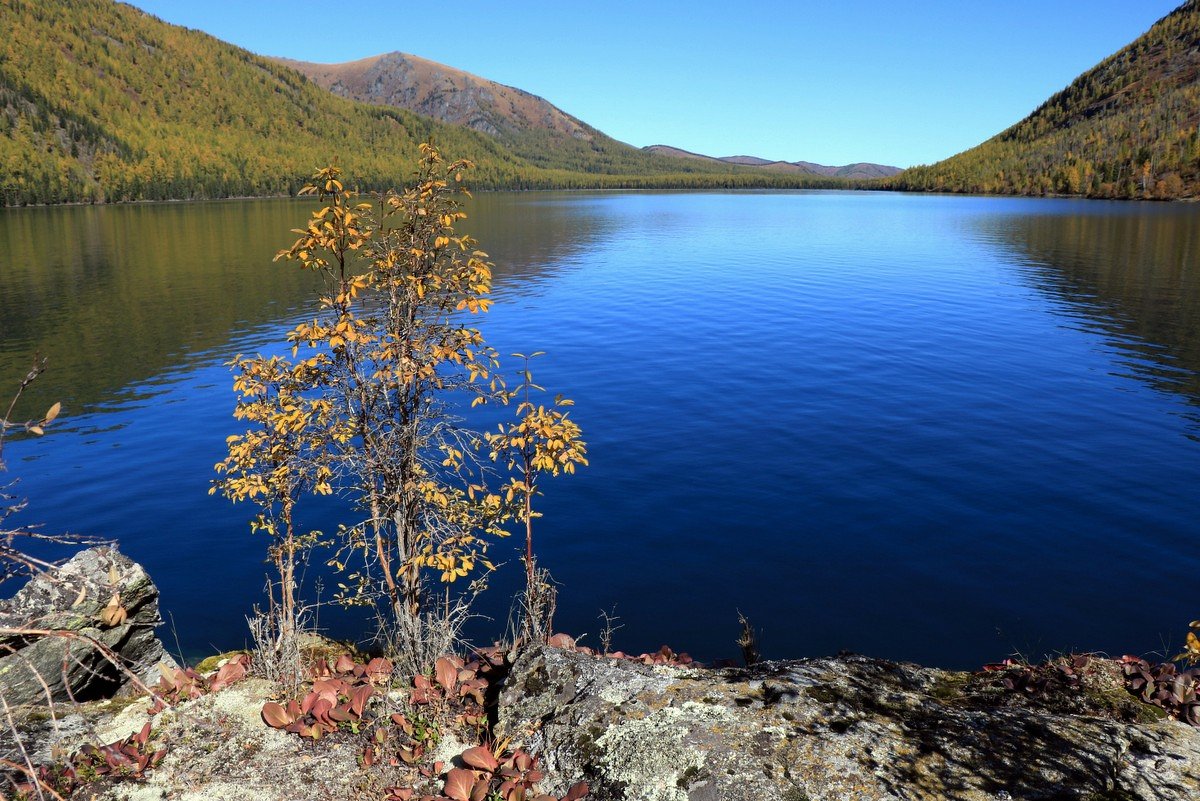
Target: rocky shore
x=846 y=727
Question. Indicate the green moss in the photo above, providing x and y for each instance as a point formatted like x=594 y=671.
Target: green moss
x=1118 y=703
x=211 y=663
x=950 y=686
x=823 y=693
x=691 y=776
x=589 y=752
x=537 y=681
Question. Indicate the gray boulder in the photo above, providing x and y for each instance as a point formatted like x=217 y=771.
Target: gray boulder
x=837 y=728
x=100 y=594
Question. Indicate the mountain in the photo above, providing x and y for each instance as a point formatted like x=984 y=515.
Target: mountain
x=1127 y=128
x=861 y=170
x=441 y=92
x=526 y=125
x=856 y=172
x=102 y=102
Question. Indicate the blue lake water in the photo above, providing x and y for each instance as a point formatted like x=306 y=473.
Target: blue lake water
x=944 y=429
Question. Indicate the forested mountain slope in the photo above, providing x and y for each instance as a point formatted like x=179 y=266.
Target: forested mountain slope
x=1126 y=128
x=99 y=101
x=102 y=102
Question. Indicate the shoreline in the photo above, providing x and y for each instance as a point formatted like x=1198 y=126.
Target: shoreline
x=632 y=190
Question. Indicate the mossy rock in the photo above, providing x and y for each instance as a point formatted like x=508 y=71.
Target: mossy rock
x=317 y=648
x=211 y=663
x=950 y=687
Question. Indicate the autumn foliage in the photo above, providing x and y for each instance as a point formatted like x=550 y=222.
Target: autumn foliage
x=369 y=406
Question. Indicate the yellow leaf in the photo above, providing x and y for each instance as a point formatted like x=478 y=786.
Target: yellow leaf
x=113 y=614
x=53 y=413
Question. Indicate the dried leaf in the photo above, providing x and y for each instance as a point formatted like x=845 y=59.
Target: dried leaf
x=459 y=783
x=446 y=673
x=359 y=697
x=563 y=641
x=276 y=716
x=113 y=614
x=480 y=757
x=577 y=791
x=321 y=709
x=378 y=669
x=230 y=672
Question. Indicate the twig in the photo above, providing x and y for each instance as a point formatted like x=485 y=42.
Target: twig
x=37 y=674
x=38 y=783
x=29 y=770
x=606 y=635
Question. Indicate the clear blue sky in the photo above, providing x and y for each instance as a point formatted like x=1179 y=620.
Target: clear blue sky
x=891 y=81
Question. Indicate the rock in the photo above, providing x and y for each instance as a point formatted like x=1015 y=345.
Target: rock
x=219 y=749
x=838 y=728
x=78 y=598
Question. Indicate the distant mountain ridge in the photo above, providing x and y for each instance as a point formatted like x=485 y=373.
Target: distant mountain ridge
x=857 y=171
x=444 y=93
x=527 y=125
x=530 y=124
x=1127 y=128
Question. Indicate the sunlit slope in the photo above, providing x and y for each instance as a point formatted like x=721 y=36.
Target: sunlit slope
x=528 y=126
x=1126 y=128
x=442 y=92
x=102 y=102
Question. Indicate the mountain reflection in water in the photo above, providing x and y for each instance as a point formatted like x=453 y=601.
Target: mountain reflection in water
x=1128 y=272
x=938 y=428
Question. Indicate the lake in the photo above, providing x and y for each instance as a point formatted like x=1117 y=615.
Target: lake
x=944 y=429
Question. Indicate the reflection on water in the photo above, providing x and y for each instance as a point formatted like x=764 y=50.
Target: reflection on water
x=933 y=428
x=531 y=238
x=118 y=294
x=1129 y=272
x=114 y=295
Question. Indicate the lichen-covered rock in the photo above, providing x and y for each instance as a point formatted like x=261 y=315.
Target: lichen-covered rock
x=100 y=594
x=838 y=729
x=219 y=749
